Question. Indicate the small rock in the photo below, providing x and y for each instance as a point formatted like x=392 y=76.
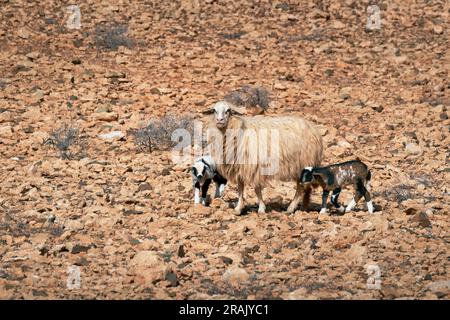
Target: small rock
x=345 y=92
x=165 y=172
x=79 y=248
x=132 y=211
x=226 y=260
x=102 y=109
x=148 y=267
x=172 y=278
x=413 y=148
x=180 y=252
x=105 y=116
x=421 y=219
x=145 y=187
x=6 y=131
x=410 y=211
x=112 y=135
x=438 y=29
x=235 y=276
x=280 y=86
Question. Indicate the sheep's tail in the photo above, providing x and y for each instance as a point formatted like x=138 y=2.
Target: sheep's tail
x=369 y=176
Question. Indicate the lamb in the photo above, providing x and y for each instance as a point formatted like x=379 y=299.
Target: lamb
x=294 y=144
x=203 y=172
x=335 y=177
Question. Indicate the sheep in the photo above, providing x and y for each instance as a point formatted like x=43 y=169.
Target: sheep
x=335 y=177
x=203 y=172
x=299 y=145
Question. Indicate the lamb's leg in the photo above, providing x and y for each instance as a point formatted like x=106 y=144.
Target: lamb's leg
x=325 y=194
x=197 y=193
x=205 y=187
x=335 y=199
x=296 y=200
x=261 y=205
x=240 y=204
x=358 y=194
x=368 y=200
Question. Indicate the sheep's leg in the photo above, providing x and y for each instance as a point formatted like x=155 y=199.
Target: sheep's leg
x=306 y=197
x=325 y=194
x=335 y=199
x=240 y=204
x=296 y=200
x=205 y=187
x=217 y=194
x=261 y=205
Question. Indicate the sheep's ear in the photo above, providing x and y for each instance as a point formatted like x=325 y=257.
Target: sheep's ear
x=209 y=111
x=235 y=112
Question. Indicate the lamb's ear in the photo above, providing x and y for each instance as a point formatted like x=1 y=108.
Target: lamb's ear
x=209 y=111
x=327 y=178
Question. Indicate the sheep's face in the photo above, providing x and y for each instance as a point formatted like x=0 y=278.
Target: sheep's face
x=222 y=113
x=199 y=172
x=307 y=175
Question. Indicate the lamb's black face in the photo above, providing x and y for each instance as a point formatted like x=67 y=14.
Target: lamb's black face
x=307 y=175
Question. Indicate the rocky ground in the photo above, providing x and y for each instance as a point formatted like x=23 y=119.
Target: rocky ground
x=125 y=219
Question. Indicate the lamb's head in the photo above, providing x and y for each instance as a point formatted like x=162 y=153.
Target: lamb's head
x=200 y=171
x=307 y=175
x=222 y=112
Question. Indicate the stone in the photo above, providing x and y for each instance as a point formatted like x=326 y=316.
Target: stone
x=145 y=187
x=421 y=219
x=413 y=148
x=148 y=267
x=105 y=116
x=6 y=132
x=235 y=276
x=112 y=135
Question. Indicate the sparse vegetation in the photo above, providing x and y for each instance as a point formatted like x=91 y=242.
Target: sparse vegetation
x=67 y=140
x=249 y=96
x=158 y=133
x=111 y=37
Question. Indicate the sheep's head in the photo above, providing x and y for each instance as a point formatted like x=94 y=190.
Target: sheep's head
x=222 y=112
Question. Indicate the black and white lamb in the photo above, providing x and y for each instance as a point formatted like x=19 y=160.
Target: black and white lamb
x=335 y=177
x=203 y=172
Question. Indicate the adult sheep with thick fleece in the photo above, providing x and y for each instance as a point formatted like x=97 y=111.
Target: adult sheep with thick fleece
x=247 y=149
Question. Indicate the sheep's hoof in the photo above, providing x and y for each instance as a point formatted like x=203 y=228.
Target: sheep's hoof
x=262 y=210
x=237 y=211
x=323 y=211
x=291 y=209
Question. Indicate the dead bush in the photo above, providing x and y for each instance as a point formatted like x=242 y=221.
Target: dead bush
x=249 y=96
x=157 y=135
x=68 y=141
x=112 y=36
